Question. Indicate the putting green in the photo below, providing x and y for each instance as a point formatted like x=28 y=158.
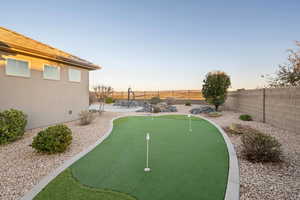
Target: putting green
x=184 y=165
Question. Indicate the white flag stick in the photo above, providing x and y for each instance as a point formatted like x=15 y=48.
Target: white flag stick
x=190 y=123
x=147 y=169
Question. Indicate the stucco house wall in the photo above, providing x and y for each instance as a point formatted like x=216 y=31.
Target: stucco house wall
x=44 y=101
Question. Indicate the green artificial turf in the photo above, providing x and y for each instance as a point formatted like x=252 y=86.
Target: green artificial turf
x=184 y=165
x=65 y=186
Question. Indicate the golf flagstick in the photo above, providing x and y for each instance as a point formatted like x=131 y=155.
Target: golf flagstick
x=147 y=169
x=152 y=110
x=190 y=123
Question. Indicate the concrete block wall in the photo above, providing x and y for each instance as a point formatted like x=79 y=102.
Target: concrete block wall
x=283 y=108
x=279 y=107
x=246 y=101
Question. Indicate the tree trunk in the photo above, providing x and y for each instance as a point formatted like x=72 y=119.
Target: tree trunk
x=216 y=107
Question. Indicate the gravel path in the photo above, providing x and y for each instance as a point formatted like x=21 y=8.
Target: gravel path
x=21 y=167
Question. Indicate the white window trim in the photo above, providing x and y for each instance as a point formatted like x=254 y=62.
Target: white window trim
x=29 y=67
x=59 y=75
x=69 y=75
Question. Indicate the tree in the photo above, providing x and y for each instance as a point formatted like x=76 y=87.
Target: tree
x=288 y=74
x=215 y=88
x=101 y=93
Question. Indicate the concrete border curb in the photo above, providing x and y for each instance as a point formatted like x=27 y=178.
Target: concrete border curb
x=232 y=189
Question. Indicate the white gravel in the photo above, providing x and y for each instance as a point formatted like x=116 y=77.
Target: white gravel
x=21 y=167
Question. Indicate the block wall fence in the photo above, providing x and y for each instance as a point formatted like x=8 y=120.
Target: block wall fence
x=279 y=107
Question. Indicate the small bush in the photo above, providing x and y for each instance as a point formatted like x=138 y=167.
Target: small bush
x=187 y=103
x=12 y=125
x=259 y=147
x=170 y=101
x=54 y=139
x=214 y=114
x=155 y=100
x=93 y=110
x=245 y=117
x=109 y=100
x=238 y=129
x=156 y=109
x=86 y=117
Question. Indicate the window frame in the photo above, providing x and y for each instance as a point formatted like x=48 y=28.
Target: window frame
x=59 y=72
x=18 y=59
x=70 y=76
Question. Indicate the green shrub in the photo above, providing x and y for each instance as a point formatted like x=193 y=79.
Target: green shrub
x=12 y=125
x=156 y=109
x=214 y=114
x=245 y=117
x=155 y=100
x=54 y=139
x=109 y=100
x=170 y=100
x=187 y=103
x=86 y=117
x=259 y=147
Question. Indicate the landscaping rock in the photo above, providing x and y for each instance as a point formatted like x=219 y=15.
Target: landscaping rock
x=202 y=109
x=125 y=103
x=172 y=108
x=163 y=107
x=146 y=108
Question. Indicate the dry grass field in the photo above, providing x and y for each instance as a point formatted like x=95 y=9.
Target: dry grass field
x=178 y=94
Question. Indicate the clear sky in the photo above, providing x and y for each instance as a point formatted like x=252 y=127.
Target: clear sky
x=159 y=44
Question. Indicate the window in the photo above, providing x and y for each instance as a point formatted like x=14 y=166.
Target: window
x=51 y=72
x=17 y=67
x=74 y=75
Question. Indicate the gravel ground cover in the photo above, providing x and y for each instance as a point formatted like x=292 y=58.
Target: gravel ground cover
x=21 y=167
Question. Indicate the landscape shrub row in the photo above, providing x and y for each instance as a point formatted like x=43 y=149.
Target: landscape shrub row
x=51 y=140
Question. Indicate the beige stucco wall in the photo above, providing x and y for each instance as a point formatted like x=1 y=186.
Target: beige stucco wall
x=44 y=101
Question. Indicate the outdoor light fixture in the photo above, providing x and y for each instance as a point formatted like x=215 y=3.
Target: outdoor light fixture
x=147 y=169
